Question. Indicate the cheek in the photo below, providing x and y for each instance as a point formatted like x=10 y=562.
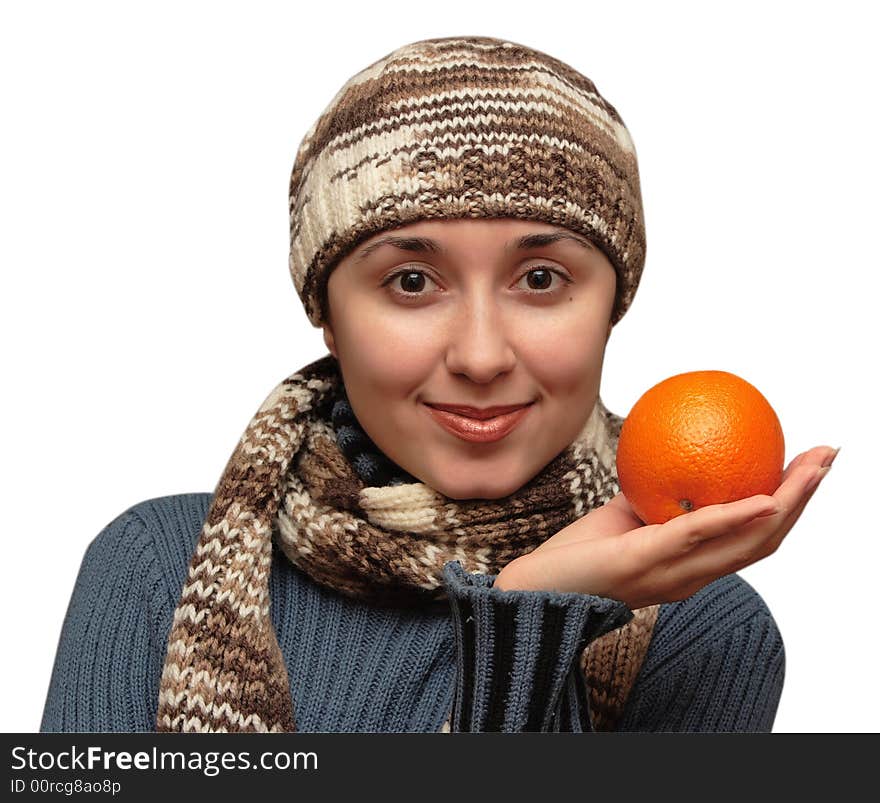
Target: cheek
x=385 y=351
x=565 y=354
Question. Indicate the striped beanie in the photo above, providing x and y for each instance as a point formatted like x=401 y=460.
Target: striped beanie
x=464 y=127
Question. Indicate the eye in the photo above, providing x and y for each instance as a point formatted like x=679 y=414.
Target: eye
x=412 y=282
x=540 y=280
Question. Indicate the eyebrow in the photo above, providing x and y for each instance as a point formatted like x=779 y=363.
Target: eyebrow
x=427 y=245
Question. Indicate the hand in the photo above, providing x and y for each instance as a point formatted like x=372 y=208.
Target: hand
x=611 y=553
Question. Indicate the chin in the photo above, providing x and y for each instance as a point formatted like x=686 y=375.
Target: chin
x=460 y=491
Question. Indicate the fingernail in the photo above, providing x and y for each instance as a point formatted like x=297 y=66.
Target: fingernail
x=830 y=460
x=817 y=478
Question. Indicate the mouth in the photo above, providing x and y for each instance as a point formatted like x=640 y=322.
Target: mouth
x=479 y=425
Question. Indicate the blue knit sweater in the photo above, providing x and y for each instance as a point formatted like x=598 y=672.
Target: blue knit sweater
x=716 y=661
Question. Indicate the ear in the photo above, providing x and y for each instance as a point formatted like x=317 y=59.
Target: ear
x=330 y=341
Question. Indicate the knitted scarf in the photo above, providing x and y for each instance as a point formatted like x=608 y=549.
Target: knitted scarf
x=289 y=481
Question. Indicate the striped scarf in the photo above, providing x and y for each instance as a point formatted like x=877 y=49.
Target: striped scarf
x=289 y=481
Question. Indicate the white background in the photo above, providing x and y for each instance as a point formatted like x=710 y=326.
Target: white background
x=147 y=309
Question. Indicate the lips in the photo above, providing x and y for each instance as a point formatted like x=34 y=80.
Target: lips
x=479 y=425
x=481 y=414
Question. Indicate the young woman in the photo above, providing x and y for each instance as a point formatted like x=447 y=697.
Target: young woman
x=422 y=530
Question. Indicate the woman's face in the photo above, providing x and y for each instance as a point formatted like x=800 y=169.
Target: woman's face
x=461 y=312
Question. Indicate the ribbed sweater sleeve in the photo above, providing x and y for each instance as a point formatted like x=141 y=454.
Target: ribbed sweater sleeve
x=109 y=655
x=716 y=664
x=517 y=653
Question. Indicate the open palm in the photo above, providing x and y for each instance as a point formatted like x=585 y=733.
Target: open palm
x=611 y=553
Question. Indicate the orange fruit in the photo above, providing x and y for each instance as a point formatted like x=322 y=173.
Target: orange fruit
x=696 y=439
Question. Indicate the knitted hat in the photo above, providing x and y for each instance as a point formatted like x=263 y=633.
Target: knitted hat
x=464 y=127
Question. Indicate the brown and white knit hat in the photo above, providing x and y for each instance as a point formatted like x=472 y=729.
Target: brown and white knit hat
x=464 y=127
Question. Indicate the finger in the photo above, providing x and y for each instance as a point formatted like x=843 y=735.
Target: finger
x=684 y=533
x=795 y=487
x=728 y=553
x=791 y=517
x=817 y=456
x=617 y=516
x=742 y=547
x=791 y=497
x=711 y=521
x=681 y=550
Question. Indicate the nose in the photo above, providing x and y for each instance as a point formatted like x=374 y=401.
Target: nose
x=479 y=345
